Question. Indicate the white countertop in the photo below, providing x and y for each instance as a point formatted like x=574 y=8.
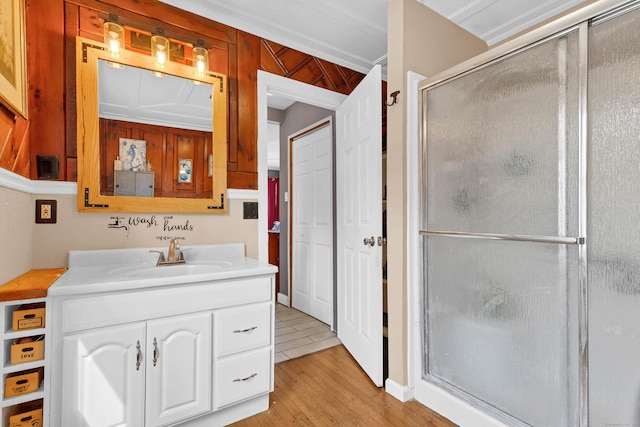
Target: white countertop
x=135 y=269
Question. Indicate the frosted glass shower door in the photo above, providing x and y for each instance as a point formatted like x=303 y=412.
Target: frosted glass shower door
x=500 y=225
x=614 y=221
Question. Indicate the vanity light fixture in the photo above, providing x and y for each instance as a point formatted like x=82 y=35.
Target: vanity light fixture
x=160 y=51
x=114 y=41
x=200 y=61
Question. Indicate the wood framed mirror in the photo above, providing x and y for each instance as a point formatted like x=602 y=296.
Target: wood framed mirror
x=184 y=164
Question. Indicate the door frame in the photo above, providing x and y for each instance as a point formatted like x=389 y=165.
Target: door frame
x=269 y=83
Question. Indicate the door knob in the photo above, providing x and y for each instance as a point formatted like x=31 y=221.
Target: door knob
x=369 y=241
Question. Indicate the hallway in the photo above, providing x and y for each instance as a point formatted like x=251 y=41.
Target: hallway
x=298 y=334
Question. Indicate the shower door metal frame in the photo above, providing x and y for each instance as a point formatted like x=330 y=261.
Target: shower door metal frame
x=580 y=20
x=581 y=30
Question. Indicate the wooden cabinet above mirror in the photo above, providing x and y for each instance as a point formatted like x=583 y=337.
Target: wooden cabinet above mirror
x=189 y=161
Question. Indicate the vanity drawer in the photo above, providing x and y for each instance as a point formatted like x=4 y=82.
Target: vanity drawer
x=242 y=377
x=242 y=328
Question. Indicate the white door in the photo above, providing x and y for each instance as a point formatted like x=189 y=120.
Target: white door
x=178 y=368
x=312 y=221
x=103 y=382
x=359 y=217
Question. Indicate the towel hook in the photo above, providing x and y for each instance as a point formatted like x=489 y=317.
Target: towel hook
x=394 y=95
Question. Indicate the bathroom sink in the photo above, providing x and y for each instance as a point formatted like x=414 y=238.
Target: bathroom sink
x=177 y=270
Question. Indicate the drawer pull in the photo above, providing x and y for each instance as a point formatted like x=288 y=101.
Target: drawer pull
x=249 y=378
x=244 y=331
x=138 y=356
x=155 y=351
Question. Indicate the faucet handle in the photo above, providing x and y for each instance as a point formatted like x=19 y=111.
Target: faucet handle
x=160 y=257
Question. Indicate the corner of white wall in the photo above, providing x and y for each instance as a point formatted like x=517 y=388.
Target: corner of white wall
x=403 y=393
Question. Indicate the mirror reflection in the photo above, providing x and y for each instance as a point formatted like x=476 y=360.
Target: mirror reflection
x=155 y=134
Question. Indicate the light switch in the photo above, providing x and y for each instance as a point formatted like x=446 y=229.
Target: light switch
x=250 y=210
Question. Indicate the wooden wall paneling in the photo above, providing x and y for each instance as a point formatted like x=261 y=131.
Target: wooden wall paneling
x=222 y=39
x=156 y=146
x=199 y=166
x=343 y=79
x=244 y=180
x=219 y=57
x=46 y=77
x=232 y=81
x=71 y=25
x=165 y=146
x=303 y=67
x=7 y=124
x=143 y=11
x=248 y=65
x=22 y=132
x=169 y=170
x=90 y=25
x=293 y=60
x=309 y=71
x=72 y=169
x=185 y=150
x=269 y=60
x=14 y=145
x=233 y=52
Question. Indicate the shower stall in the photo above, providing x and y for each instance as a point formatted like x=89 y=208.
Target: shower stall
x=530 y=226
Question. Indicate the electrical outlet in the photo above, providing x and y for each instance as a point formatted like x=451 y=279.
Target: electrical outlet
x=46 y=211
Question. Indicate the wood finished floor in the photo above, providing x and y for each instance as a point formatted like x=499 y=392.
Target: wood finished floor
x=298 y=334
x=329 y=388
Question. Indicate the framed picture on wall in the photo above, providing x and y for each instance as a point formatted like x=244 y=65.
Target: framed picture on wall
x=133 y=154
x=13 y=87
x=185 y=167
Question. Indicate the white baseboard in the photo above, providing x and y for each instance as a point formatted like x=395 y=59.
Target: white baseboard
x=454 y=409
x=401 y=392
x=283 y=299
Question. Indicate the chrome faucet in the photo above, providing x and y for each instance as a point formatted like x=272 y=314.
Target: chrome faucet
x=171 y=255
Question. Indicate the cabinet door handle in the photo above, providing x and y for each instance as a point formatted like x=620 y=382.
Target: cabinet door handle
x=155 y=351
x=249 y=378
x=138 y=356
x=244 y=331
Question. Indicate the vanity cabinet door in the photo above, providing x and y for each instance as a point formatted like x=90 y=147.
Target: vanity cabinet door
x=103 y=383
x=178 y=368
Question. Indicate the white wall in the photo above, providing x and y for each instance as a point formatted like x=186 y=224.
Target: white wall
x=17 y=215
x=28 y=245
x=424 y=42
x=88 y=230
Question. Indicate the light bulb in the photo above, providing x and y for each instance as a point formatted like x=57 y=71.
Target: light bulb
x=114 y=38
x=160 y=50
x=200 y=61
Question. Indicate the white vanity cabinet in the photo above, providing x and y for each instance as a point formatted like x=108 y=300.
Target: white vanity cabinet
x=143 y=346
x=154 y=373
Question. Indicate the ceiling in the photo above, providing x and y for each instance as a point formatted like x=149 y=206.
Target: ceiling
x=353 y=33
x=137 y=95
